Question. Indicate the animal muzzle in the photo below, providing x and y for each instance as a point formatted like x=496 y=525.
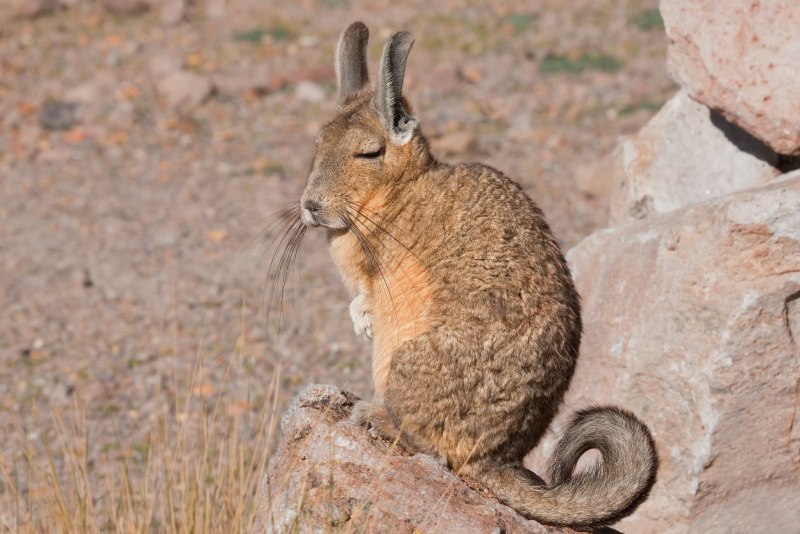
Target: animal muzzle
x=310 y=212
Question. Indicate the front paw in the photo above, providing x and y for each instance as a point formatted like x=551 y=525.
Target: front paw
x=362 y=320
x=361 y=413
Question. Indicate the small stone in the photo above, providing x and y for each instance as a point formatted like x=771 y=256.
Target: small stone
x=310 y=92
x=173 y=11
x=471 y=74
x=256 y=81
x=184 y=89
x=92 y=91
x=58 y=115
x=308 y=41
x=160 y=64
x=215 y=9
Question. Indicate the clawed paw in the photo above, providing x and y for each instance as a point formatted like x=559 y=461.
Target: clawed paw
x=361 y=413
x=362 y=320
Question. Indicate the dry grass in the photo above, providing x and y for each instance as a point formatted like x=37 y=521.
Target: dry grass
x=198 y=472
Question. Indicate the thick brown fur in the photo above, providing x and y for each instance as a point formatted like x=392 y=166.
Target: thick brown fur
x=472 y=310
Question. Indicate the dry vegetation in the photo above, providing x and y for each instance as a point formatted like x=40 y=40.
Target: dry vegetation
x=197 y=471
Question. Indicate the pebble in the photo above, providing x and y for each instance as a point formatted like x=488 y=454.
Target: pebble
x=184 y=89
x=58 y=115
x=310 y=92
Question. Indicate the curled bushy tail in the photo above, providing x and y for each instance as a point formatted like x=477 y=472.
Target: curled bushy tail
x=607 y=492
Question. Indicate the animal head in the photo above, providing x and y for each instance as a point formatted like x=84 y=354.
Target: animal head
x=373 y=142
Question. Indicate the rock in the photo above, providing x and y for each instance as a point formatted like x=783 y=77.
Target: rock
x=692 y=321
x=685 y=155
x=215 y=9
x=173 y=11
x=257 y=80
x=470 y=74
x=160 y=64
x=261 y=80
x=58 y=115
x=126 y=7
x=328 y=474
x=184 y=89
x=94 y=90
x=310 y=92
x=740 y=58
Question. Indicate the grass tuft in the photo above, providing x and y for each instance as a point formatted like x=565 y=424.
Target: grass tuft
x=196 y=471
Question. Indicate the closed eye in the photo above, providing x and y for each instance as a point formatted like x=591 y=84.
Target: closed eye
x=370 y=155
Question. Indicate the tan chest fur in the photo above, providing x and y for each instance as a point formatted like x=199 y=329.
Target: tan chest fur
x=398 y=297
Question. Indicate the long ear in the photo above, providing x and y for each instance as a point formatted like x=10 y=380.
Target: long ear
x=351 y=60
x=389 y=96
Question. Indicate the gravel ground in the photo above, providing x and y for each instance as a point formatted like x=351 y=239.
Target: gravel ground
x=141 y=164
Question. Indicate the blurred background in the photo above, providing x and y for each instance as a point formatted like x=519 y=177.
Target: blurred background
x=145 y=148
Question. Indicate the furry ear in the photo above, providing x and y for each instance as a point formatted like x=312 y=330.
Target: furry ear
x=389 y=95
x=351 y=60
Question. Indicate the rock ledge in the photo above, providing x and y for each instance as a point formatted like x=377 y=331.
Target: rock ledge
x=329 y=475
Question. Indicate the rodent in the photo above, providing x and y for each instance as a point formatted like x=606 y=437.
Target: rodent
x=470 y=304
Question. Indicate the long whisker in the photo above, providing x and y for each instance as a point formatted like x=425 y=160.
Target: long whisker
x=355 y=220
x=359 y=209
x=281 y=276
x=292 y=267
x=373 y=233
x=373 y=259
x=289 y=211
x=292 y=232
x=283 y=227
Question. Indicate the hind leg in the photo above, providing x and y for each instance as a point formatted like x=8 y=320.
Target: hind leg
x=440 y=396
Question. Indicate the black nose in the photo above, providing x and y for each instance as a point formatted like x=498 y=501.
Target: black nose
x=312 y=206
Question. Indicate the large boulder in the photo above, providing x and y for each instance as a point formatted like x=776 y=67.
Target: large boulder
x=692 y=321
x=740 y=57
x=685 y=154
x=329 y=475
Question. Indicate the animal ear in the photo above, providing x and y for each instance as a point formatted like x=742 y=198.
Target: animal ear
x=351 y=60
x=389 y=96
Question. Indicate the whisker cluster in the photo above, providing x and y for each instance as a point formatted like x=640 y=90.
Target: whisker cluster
x=358 y=219
x=289 y=231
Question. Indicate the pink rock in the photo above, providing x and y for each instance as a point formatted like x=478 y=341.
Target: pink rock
x=684 y=155
x=692 y=321
x=740 y=57
x=173 y=11
x=329 y=475
x=184 y=88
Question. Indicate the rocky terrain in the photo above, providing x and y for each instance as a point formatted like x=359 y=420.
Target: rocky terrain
x=146 y=147
x=328 y=473
x=692 y=297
